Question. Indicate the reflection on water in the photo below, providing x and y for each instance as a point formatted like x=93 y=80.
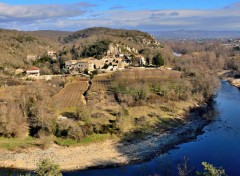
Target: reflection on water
x=219 y=145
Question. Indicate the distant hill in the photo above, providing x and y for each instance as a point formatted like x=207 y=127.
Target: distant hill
x=198 y=34
x=16 y=45
x=101 y=31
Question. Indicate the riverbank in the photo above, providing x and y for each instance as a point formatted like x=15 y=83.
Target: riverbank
x=230 y=76
x=108 y=153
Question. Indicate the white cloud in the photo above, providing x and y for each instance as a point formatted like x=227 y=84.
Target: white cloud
x=35 y=12
x=74 y=17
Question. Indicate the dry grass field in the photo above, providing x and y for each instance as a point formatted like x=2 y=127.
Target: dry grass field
x=147 y=75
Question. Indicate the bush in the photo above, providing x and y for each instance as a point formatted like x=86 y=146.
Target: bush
x=158 y=60
x=70 y=129
x=210 y=170
x=47 y=168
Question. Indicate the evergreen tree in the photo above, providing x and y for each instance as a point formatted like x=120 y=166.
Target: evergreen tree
x=158 y=60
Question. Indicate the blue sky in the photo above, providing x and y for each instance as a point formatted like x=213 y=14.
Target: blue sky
x=137 y=4
x=147 y=15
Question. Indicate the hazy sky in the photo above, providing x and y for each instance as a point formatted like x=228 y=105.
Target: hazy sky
x=147 y=15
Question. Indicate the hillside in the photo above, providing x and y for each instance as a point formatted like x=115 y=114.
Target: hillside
x=97 y=42
x=15 y=45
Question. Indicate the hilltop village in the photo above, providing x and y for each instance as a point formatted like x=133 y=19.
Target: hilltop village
x=109 y=63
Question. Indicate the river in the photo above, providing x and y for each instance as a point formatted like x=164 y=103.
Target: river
x=219 y=144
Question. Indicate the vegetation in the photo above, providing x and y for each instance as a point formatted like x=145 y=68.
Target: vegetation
x=135 y=86
x=210 y=170
x=47 y=168
x=97 y=50
x=158 y=60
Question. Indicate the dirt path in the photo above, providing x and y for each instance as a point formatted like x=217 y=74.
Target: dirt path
x=103 y=154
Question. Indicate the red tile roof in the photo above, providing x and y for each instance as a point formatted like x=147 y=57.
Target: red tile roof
x=33 y=69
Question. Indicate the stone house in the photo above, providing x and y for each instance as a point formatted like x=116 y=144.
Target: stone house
x=80 y=65
x=85 y=64
x=70 y=64
x=98 y=63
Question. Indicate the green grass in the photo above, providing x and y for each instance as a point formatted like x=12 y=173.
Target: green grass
x=66 y=142
x=17 y=143
x=95 y=138
x=87 y=140
x=13 y=143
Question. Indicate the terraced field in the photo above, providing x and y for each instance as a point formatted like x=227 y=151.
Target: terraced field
x=101 y=83
x=71 y=96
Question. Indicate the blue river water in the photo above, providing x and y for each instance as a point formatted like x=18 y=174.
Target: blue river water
x=218 y=145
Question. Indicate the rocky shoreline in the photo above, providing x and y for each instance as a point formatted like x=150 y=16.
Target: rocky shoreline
x=234 y=82
x=108 y=153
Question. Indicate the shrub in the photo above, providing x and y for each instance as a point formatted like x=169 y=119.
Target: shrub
x=158 y=60
x=71 y=130
x=210 y=170
x=47 y=168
